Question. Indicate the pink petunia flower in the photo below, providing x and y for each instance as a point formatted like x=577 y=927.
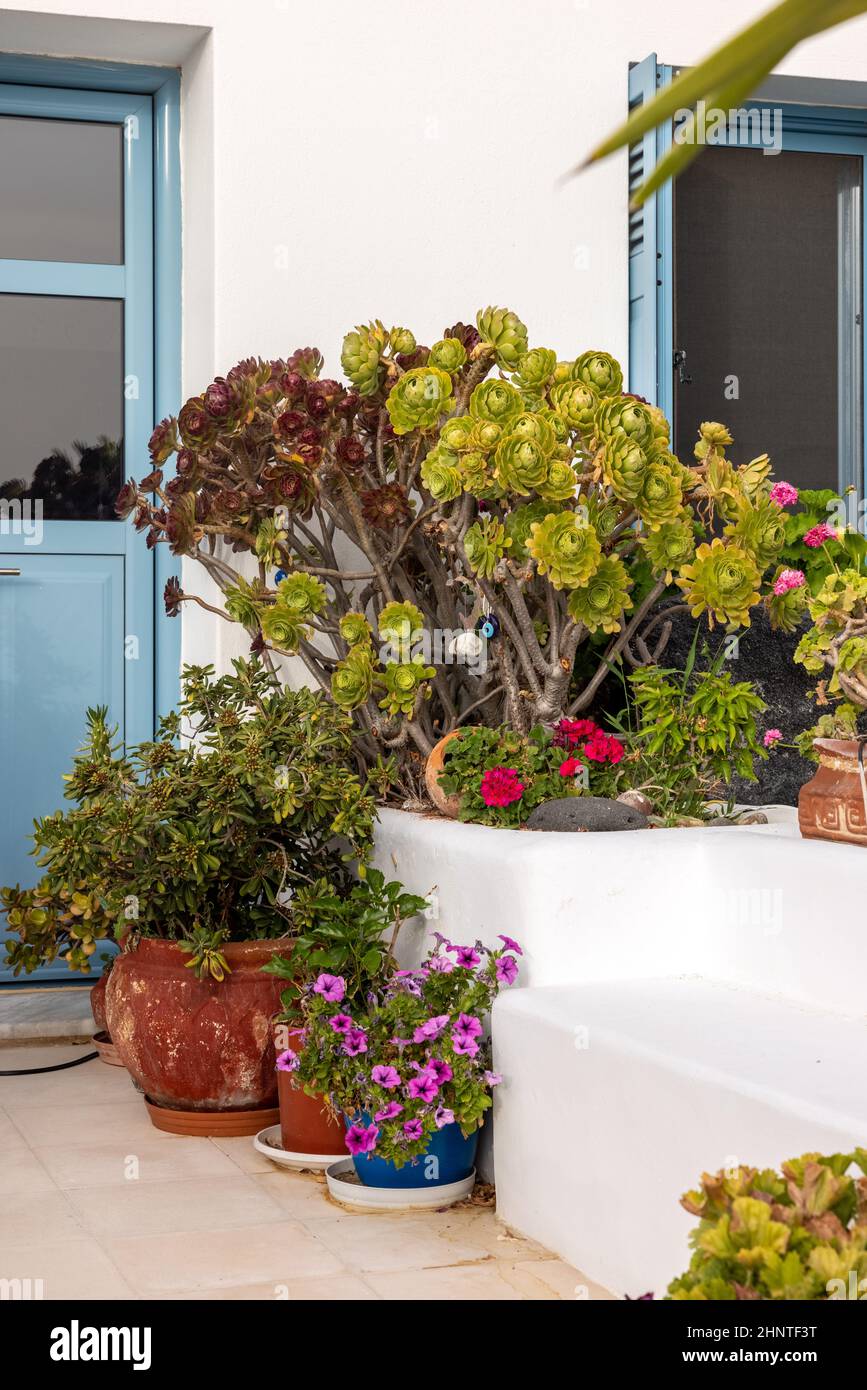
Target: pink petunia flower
x=442 y=965
x=443 y=1116
x=331 y=987
x=784 y=494
x=355 y=1042
x=771 y=737
x=464 y=1045
x=431 y=1029
x=360 y=1139
x=390 y=1111
x=818 y=535
x=439 y=1070
x=493 y=1078
x=787 y=580
x=288 y=1061
x=413 y=1129
x=511 y=945
x=341 y=1023
x=507 y=970
x=500 y=786
x=422 y=1087
x=469 y=1025
x=466 y=957
x=385 y=1076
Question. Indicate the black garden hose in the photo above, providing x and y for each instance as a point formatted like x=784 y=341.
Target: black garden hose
x=58 y=1066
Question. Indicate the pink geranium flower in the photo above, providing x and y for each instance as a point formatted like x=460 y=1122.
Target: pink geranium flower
x=784 y=494
x=771 y=737
x=385 y=1076
x=818 y=535
x=360 y=1139
x=500 y=786
x=570 y=767
x=568 y=732
x=788 y=580
x=331 y=987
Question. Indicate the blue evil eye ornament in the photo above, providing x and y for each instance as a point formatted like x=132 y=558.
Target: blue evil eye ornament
x=280 y=574
x=488 y=627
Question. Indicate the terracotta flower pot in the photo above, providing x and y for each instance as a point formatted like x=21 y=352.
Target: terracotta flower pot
x=446 y=805
x=197 y=1044
x=97 y=1004
x=306 y=1126
x=833 y=804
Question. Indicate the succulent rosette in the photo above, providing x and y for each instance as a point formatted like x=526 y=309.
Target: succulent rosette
x=403 y=681
x=624 y=464
x=560 y=426
x=477 y=476
x=760 y=527
x=518 y=524
x=565 y=548
x=386 y=507
x=786 y=604
x=575 y=402
x=352 y=679
x=661 y=428
x=282 y=627
x=533 y=426
x=163 y=442
x=303 y=594
x=503 y=331
x=521 y=465
x=402 y=341
x=486 y=543
x=399 y=621
x=231 y=402
x=754 y=478
x=441 y=475
x=535 y=369
x=244 y=603
x=561 y=482
x=449 y=354
x=361 y=358
x=486 y=435
x=497 y=401
x=624 y=414
x=196 y=426
x=722 y=581
x=418 y=399
x=355 y=629
x=599 y=370
x=661 y=497
x=600 y=603
x=712 y=437
x=456 y=433
x=671 y=546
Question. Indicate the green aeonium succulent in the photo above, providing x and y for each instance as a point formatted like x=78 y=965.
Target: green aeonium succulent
x=441 y=475
x=355 y=629
x=561 y=482
x=352 y=679
x=449 y=354
x=599 y=604
x=496 y=401
x=623 y=414
x=418 y=399
x=521 y=465
x=505 y=333
x=535 y=369
x=403 y=680
x=671 y=546
x=303 y=594
x=361 y=357
x=518 y=524
x=565 y=548
x=624 y=464
x=759 y=527
x=485 y=545
x=282 y=627
x=722 y=582
x=599 y=370
x=660 y=498
x=398 y=622
x=575 y=402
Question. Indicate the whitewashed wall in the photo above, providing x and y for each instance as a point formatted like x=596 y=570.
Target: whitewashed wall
x=371 y=158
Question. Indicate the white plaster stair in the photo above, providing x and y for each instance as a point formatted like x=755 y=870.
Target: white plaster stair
x=618 y=1095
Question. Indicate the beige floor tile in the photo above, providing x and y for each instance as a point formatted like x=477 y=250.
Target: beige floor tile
x=382 y=1243
x=139 y=1209
x=38 y=1216
x=302 y=1195
x=10 y=1135
x=94 y=1083
x=22 y=1175
x=19 y=1055
x=462 y=1282
x=242 y=1153
x=73 y=1269
x=556 y=1280
x=277 y=1253
x=159 y=1158
x=339 y=1288
x=77 y=1126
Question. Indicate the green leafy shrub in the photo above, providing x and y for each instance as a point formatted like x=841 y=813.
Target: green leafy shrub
x=797 y=1234
x=202 y=840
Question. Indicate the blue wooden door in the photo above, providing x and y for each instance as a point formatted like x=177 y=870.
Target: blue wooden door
x=76 y=409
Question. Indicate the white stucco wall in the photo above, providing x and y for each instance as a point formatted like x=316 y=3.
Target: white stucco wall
x=351 y=160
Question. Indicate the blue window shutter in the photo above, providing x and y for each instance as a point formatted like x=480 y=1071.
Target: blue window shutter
x=650 y=255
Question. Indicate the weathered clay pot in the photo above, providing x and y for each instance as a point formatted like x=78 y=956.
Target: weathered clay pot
x=833 y=805
x=446 y=805
x=97 y=1004
x=306 y=1127
x=197 y=1044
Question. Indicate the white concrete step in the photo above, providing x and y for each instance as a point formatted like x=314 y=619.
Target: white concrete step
x=33 y=1013
x=617 y=1096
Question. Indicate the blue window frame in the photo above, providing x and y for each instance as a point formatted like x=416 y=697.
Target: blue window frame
x=819 y=129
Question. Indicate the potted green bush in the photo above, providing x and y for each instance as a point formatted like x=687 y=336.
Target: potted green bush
x=189 y=850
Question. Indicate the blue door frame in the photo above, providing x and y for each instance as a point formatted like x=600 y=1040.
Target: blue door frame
x=818 y=129
x=146 y=103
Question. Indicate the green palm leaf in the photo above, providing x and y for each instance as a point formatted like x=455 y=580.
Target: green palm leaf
x=725 y=79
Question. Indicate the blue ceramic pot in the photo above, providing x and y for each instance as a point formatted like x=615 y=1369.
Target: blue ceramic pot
x=448 y=1158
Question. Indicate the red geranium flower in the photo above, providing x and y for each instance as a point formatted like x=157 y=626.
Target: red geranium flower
x=500 y=786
